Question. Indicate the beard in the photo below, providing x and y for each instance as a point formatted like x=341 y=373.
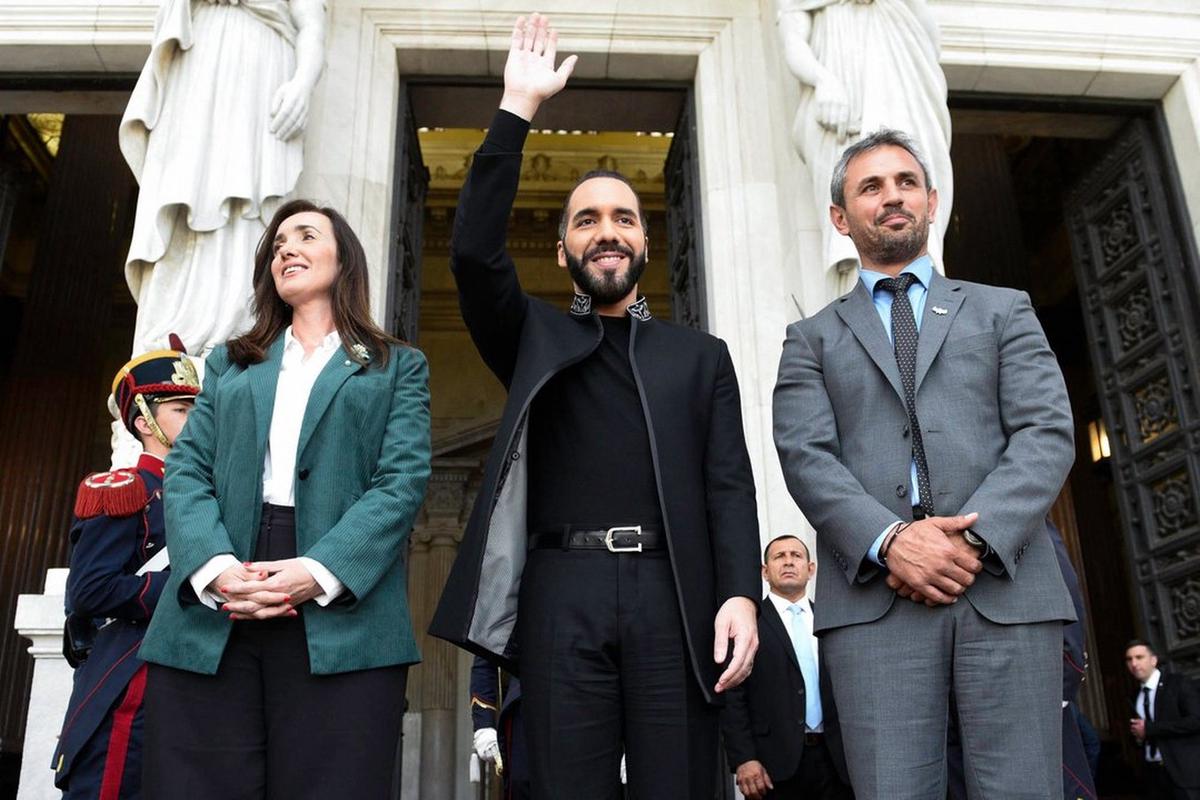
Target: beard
x=885 y=246
x=606 y=287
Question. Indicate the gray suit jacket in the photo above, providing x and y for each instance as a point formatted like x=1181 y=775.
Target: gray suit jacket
x=997 y=430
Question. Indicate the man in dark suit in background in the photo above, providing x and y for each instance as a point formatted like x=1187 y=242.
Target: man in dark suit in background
x=1167 y=726
x=780 y=730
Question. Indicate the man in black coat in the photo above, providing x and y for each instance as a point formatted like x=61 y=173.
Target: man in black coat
x=1167 y=726
x=614 y=542
x=780 y=737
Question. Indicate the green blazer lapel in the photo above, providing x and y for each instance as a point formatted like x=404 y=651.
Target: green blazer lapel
x=941 y=306
x=264 y=377
x=340 y=367
x=857 y=310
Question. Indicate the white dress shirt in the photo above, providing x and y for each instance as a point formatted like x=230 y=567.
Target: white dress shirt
x=297 y=374
x=806 y=622
x=1151 y=683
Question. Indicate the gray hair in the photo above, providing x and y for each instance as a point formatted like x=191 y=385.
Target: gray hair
x=880 y=138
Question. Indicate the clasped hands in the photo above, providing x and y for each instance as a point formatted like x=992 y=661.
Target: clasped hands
x=930 y=562
x=265 y=589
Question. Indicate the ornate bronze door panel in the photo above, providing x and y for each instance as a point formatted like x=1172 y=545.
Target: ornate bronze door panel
x=685 y=245
x=408 y=216
x=1136 y=267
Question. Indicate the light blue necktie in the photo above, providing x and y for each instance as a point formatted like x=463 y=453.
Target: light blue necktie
x=808 y=669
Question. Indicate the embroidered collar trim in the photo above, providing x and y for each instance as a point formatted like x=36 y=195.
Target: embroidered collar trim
x=639 y=310
x=581 y=306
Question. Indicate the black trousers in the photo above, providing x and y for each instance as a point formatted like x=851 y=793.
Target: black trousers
x=815 y=778
x=604 y=670
x=264 y=727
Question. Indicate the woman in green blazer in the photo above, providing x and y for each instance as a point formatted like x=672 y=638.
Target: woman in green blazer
x=279 y=652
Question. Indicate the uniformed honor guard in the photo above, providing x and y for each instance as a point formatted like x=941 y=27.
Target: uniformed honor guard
x=499 y=739
x=118 y=569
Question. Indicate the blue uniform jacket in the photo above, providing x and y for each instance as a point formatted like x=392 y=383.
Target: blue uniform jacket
x=106 y=553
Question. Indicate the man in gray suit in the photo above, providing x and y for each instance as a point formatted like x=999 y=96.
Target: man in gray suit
x=925 y=440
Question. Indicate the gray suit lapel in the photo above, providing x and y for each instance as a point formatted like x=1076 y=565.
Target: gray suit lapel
x=774 y=623
x=858 y=311
x=941 y=306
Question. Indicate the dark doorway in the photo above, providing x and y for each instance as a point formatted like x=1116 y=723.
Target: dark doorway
x=1022 y=171
x=66 y=320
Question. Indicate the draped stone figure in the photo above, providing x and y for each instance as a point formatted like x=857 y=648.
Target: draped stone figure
x=828 y=46
x=213 y=134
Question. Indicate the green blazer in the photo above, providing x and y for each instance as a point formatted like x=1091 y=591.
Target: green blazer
x=363 y=455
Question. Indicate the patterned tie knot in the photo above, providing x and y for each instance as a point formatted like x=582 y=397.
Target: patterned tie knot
x=898 y=284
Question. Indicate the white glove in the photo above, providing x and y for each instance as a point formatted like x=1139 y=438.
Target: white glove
x=623 y=777
x=487 y=746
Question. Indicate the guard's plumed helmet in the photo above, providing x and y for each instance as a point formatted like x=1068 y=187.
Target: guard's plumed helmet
x=154 y=377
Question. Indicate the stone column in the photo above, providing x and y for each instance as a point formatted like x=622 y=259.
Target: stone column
x=433 y=685
x=39 y=619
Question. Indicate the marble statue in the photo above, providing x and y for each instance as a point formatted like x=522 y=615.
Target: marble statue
x=865 y=65
x=213 y=134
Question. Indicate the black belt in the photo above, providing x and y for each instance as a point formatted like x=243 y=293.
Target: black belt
x=918 y=513
x=619 y=539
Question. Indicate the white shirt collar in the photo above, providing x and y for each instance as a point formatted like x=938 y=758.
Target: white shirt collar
x=290 y=342
x=782 y=604
x=1152 y=682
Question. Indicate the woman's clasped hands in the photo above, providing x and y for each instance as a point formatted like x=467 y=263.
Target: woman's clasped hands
x=265 y=589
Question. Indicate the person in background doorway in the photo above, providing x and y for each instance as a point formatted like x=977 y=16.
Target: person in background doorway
x=1166 y=726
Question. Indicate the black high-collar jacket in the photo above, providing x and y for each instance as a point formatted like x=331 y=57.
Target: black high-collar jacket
x=689 y=395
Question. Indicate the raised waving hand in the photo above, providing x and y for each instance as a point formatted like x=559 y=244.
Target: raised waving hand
x=529 y=74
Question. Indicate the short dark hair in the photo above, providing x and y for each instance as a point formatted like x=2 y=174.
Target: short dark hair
x=767 y=549
x=1132 y=643
x=599 y=173
x=884 y=137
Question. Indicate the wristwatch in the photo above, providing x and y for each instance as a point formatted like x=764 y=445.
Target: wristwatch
x=975 y=541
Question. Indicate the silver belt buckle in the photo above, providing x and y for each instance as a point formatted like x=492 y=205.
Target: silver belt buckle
x=636 y=530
